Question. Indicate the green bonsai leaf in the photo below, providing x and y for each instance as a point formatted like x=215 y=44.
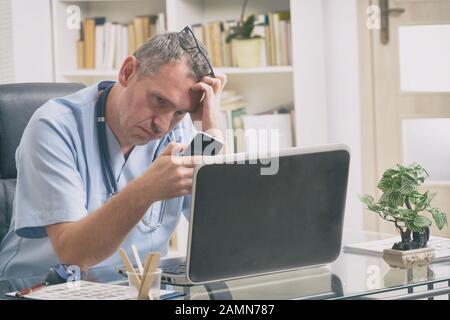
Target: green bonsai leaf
x=385 y=197
x=396 y=199
x=406 y=214
x=396 y=183
x=407 y=186
x=439 y=217
x=366 y=199
x=389 y=172
x=422 y=221
x=414 y=228
x=385 y=184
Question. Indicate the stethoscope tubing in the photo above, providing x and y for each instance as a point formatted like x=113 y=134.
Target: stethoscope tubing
x=107 y=171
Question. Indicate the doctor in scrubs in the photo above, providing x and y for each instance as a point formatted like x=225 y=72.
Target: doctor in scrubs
x=68 y=208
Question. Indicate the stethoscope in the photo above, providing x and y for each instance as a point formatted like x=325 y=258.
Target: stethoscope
x=107 y=171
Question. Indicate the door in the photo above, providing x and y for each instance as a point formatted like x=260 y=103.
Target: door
x=406 y=100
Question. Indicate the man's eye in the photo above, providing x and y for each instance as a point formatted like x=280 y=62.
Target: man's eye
x=180 y=113
x=160 y=100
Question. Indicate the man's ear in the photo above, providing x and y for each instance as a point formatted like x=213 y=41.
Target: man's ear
x=128 y=70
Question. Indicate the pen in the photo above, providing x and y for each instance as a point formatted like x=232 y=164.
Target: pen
x=26 y=291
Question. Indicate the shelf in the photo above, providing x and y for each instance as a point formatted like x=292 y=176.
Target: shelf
x=90 y=73
x=99 y=0
x=228 y=71
x=280 y=69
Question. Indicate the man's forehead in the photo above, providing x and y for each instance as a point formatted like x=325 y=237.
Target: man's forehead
x=177 y=90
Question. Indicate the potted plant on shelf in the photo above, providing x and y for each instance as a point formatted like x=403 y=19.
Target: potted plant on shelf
x=245 y=47
x=402 y=204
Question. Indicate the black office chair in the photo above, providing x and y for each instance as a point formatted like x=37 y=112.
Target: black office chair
x=17 y=104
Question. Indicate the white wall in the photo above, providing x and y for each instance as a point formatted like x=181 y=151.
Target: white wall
x=32 y=49
x=6 y=43
x=343 y=112
x=308 y=54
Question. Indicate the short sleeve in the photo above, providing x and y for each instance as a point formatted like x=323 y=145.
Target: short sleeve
x=49 y=187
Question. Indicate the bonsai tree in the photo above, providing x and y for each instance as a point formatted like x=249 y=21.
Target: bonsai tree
x=402 y=204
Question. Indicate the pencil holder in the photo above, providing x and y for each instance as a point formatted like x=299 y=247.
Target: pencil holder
x=149 y=288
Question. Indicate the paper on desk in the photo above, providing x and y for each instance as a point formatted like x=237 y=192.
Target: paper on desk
x=87 y=290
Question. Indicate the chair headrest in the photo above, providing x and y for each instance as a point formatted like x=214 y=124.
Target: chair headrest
x=18 y=102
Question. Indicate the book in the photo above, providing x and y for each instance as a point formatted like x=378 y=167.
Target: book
x=110 y=46
x=99 y=46
x=138 y=28
x=197 y=29
x=117 y=47
x=131 y=39
x=284 y=18
x=238 y=129
x=289 y=43
x=89 y=25
x=225 y=126
x=89 y=43
x=152 y=26
x=123 y=44
x=215 y=43
x=80 y=54
x=161 y=23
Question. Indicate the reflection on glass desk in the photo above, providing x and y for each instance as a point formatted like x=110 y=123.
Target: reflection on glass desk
x=351 y=276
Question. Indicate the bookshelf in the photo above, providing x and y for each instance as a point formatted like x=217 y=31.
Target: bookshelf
x=264 y=88
x=228 y=71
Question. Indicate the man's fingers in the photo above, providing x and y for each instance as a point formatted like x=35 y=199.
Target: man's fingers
x=206 y=88
x=223 y=79
x=213 y=82
x=188 y=162
x=186 y=172
x=173 y=146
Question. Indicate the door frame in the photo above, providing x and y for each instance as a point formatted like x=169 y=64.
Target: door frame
x=368 y=119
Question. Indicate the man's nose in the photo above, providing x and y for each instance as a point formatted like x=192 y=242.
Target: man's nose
x=162 y=123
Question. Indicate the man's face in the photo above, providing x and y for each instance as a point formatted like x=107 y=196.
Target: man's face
x=152 y=106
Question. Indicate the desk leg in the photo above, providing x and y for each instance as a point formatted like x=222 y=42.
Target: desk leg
x=430 y=287
x=409 y=274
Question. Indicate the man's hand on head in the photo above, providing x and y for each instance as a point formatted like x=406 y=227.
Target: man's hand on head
x=209 y=108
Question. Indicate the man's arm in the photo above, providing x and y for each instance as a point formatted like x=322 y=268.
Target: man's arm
x=98 y=235
x=209 y=110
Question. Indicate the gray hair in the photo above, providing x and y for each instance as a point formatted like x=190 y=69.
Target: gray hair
x=165 y=48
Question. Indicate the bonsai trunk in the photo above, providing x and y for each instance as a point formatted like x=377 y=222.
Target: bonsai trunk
x=406 y=235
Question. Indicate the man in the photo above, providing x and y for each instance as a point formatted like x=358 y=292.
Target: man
x=63 y=212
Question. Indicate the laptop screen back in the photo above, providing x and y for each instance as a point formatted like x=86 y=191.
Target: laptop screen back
x=245 y=223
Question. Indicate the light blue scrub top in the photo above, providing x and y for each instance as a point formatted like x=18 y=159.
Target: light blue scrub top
x=60 y=180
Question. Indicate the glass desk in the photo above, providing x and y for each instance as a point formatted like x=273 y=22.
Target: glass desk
x=351 y=276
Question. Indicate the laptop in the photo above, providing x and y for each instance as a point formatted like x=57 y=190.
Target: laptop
x=243 y=223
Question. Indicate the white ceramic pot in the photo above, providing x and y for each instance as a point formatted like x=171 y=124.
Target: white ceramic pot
x=246 y=53
x=409 y=258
